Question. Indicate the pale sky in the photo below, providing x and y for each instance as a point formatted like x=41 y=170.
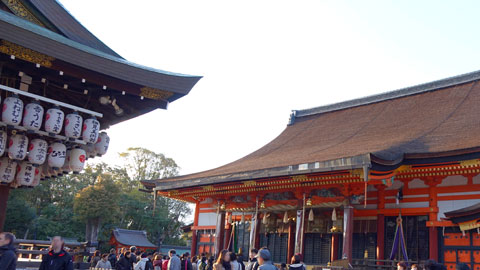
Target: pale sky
x=261 y=59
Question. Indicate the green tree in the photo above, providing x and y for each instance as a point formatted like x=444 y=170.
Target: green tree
x=163 y=224
x=65 y=205
x=97 y=204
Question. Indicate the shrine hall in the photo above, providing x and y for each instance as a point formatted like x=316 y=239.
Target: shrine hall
x=333 y=184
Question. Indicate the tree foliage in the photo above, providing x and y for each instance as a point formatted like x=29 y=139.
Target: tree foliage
x=64 y=205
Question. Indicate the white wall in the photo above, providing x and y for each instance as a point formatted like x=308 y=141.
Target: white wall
x=207 y=219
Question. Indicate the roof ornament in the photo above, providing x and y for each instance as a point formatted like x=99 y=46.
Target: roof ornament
x=291 y=120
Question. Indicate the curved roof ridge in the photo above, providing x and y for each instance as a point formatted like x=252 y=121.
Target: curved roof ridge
x=402 y=92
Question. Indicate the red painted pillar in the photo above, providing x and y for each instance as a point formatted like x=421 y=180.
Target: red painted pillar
x=193 y=249
x=219 y=232
x=291 y=240
x=335 y=243
x=347 y=232
x=4 y=192
x=433 y=216
x=380 y=224
x=380 y=237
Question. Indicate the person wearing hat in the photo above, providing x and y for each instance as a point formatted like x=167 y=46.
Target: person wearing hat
x=264 y=260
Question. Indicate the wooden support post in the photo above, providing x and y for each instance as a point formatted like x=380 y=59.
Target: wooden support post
x=219 y=232
x=380 y=238
x=381 y=224
x=335 y=243
x=291 y=240
x=193 y=249
x=4 y=192
x=433 y=216
x=347 y=232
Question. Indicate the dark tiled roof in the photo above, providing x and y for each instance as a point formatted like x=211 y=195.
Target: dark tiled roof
x=69 y=26
x=473 y=209
x=40 y=39
x=132 y=238
x=434 y=118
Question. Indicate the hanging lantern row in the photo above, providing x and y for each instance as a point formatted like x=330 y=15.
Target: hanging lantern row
x=55 y=121
x=29 y=158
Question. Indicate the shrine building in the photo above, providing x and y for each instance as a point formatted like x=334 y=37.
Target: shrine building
x=327 y=186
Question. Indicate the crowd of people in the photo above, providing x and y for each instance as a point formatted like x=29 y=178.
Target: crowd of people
x=58 y=258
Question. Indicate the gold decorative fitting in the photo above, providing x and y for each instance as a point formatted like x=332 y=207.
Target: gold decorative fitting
x=249 y=183
x=153 y=93
x=21 y=11
x=357 y=172
x=26 y=54
x=309 y=202
x=300 y=178
x=470 y=163
x=207 y=188
x=262 y=204
x=404 y=168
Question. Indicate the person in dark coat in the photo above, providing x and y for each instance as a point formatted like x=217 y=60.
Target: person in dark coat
x=133 y=256
x=252 y=263
x=296 y=264
x=186 y=263
x=123 y=262
x=8 y=258
x=112 y=258
x=57 y=258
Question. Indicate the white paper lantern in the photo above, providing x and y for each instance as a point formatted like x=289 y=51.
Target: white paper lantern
x=37 y=177
x=17 y=147
x=8 y=168
x=25 y=174
x=77 y=160
x=3 y=141
x=66 y=166
x=54 y=120
x=91 y=127
x=12 y=110
x=101 y=146
x=73 y=125
x=56 y=155
x=33 y=116
x=37 y=151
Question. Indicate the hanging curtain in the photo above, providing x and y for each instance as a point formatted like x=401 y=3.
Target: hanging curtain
x=399 y=241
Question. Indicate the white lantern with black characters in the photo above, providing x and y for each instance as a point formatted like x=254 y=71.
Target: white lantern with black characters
x=8 y=168
x=25 y=174
x=54 y=120
x=3 y=141
x=73 y=125
x=37 y=152
x=12 y=110
x=101 y=146
x=77 y=160
x=33 y=116
x=17 y=147
x=56 y=155
x=91 y=127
